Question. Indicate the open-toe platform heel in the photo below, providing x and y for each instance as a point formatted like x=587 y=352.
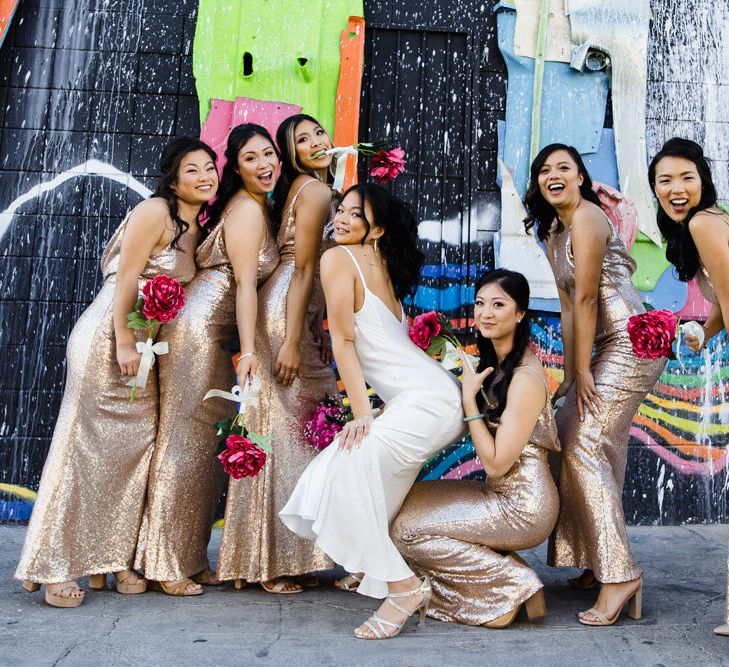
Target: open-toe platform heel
x=31 y=586
x=239 y=584
x=535 y=608
x=381 y=628
x=635 y=609
x=279 y=588
x=206 y=578
x=127 y=587
x=97 y=582
x=58 y=599
x=349 y=582
x=177 y=588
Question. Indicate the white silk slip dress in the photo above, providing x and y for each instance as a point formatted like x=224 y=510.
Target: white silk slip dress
x=347 y=500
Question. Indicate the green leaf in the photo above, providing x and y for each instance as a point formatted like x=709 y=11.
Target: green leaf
x=223 y=424
x=263 y=441
x=219 y=448
x=437 y=347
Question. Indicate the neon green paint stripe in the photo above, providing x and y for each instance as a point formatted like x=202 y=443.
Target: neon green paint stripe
x=688 y=425
x=694 y=380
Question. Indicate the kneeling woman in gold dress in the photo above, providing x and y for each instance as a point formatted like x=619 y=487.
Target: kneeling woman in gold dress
x=463 y=534
x=602 y=390
x=697 y=232
x=237 y=256
x=87 y=517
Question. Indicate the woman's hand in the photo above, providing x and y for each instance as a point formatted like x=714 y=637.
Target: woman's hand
x=353 y=432
x=246 y=367
x=288 y=361
x=128 y=358
x=471 y=381
x=587 y=396
x=561 y=390
x=692 y=342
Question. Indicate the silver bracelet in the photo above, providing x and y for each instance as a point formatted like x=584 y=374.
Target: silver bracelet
x=247 y=354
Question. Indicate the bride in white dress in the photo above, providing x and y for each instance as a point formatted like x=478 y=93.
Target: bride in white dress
x=349 y=495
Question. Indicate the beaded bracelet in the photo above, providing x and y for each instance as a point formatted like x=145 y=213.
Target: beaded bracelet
x=470 y=419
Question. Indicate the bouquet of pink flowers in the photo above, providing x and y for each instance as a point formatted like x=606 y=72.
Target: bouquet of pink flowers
x=652 y=334
x=328 y=419
x=160 y=301
x=385 y=164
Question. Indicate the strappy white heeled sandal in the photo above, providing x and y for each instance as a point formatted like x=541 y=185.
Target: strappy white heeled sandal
x=344 y=585
x=384 y=629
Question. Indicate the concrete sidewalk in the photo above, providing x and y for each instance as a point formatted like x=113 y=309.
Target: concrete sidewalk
x=683 y=601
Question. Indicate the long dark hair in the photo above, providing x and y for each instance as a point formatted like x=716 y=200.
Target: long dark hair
x=517 y=287
x=399 y=243
x=169 y=165
x=541 y=212
x=680 y=247
x=291 y=168
x=231 y=181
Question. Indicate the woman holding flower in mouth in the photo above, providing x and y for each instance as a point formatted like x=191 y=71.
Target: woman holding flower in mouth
x=602 y=390
x=697 y=232
x=293 y=361
x=238 y=254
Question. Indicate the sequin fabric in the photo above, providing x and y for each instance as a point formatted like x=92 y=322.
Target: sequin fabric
x=590 y=531
x=255 y=545
x=87 y=516
x=186 y=479
x=462 y=534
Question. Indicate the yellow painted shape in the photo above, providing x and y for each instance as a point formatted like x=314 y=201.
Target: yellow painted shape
x=20 y=491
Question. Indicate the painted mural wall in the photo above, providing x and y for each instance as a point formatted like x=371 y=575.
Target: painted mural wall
x=90 y=91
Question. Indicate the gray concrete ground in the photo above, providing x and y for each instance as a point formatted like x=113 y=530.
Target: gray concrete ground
x=683 y=600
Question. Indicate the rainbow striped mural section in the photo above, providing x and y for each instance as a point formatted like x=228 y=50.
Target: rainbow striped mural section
x=684 y=421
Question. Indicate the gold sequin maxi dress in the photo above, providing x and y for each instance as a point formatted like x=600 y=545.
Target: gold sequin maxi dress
x=256 y=546
x=87 y=516
x=186 y=478
x=590 y=531
x=461 y=533
x=706 y=287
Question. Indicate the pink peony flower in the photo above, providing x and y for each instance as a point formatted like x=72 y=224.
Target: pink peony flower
x=323 y=426
x=652 y=333
x=241 y=458
x=163 y=298
x=387 y=165
x=425 y=327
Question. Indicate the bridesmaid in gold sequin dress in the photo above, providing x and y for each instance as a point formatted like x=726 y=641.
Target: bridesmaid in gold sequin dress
x=463 y=534
x=87 y=516
x=602 y=390
x=237 y=256
x=295 y=371
x=697 y=232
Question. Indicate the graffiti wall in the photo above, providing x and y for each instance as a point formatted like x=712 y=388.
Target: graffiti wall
x=90 y=91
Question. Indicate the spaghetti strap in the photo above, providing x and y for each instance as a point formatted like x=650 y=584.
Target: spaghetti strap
x=298 y=192
x=356 y=265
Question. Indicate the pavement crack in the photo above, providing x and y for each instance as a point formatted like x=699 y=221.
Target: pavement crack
x=263 y=653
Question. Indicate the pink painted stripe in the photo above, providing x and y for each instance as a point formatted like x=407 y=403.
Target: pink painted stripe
x=702 y=468
x=464 y=469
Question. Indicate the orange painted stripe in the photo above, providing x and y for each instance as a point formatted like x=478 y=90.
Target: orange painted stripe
x=7 y=9
x=684 y=446
x=349 y=89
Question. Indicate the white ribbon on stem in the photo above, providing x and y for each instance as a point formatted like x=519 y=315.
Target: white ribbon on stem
x=147 y=350
x=340 y=153
x=247 y=395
